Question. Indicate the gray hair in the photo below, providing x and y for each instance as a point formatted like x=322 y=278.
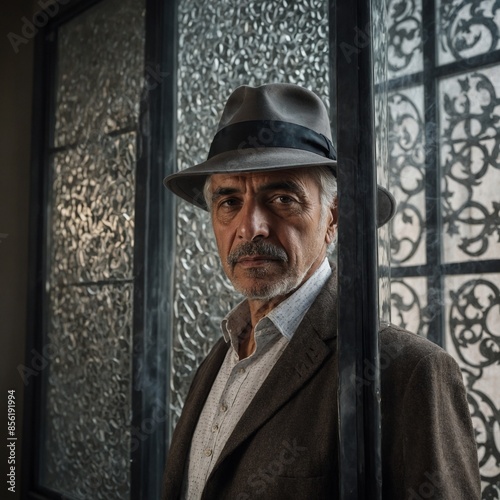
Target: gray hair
x=328 y=185
x=322 y=175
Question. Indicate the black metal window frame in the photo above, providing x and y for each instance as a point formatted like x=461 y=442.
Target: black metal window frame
x=360 y=468
x=153 y=248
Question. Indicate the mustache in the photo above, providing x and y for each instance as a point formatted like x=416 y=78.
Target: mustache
x=260 y=248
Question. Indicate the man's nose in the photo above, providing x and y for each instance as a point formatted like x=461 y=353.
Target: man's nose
x=253 y=222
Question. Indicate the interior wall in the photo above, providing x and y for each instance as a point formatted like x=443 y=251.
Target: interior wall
x=16 y=64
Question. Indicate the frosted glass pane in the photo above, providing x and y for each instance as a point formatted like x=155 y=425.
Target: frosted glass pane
x=88 y=385
x=92 y=225
x=470 y=164
x=404 y=37
x=407 y=176
x=100 y=71
x=86 y=439
x=473 y=338
x=379 y=55
x=466 y=28
x=409 y=304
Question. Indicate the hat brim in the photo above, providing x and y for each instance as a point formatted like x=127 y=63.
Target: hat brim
x=190 y=182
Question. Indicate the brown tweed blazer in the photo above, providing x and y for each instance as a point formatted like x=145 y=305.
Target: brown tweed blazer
x=285 y=445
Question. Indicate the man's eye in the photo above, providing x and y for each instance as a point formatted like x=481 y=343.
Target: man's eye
x=229 y=202
x=284 y=199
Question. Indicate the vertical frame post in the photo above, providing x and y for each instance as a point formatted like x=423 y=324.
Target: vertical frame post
x=432 y=176
x=43 y=102
x=359 y=399
x=154 y=253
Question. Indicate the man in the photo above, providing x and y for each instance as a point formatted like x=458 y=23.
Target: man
x=260 y=420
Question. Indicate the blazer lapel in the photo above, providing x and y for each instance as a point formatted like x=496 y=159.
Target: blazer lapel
x=300 y=360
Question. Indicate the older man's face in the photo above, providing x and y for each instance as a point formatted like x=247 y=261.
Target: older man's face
x=270 y=228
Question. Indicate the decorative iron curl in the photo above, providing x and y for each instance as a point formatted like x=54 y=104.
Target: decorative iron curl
x=485 y=417
x=404 y=34
x=466 y=25
x=407 y=166
x=471 y=145
x=469 y=318
x=405 y=301
x=406 y=245
x=477 y=343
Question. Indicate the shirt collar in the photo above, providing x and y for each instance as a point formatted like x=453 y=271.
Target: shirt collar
x=236 y=321
x=287 y=315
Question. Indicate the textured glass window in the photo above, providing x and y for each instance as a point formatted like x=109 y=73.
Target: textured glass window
x=444 y=146
x=224 y=44
x=380 y=59
x=85 y=449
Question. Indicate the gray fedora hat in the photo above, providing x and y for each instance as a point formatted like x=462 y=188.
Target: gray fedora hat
x=271 y=127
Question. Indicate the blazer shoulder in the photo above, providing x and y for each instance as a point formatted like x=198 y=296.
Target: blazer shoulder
x=392 y=336
x=425 y=418
x=404 y=351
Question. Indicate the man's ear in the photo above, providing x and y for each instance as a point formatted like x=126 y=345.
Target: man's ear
x=332 y=218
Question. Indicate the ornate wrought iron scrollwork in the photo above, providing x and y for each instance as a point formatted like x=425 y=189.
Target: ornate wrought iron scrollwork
x=467 y=117
x=407 y=173
x=470 y=148
x=404 y=36
x=408 y=309
x=485 y=418
x=474 y=328
x=468 y=27
x=475 y=336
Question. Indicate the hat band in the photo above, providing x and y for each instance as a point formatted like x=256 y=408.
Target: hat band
x=257 y=134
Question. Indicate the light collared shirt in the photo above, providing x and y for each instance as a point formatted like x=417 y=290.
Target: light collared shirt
x=239 y=380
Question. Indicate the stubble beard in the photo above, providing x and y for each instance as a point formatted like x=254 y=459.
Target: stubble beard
x=266 y=281
x=267 y=287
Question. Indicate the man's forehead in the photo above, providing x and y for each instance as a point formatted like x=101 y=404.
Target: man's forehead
x=297 y=175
